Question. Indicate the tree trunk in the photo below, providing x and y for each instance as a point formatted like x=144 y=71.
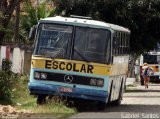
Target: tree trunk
x=131 y=66
x=16 y=27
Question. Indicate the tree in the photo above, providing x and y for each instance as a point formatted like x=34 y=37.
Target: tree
x=17 y=19
x=6 y=8
x=143 y=26
x=31 y=16
x=78 y=7
x=142 y=17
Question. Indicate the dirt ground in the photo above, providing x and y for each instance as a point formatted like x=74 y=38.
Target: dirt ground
x=7 y=111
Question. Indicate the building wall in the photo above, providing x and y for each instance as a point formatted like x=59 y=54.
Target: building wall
x=20 y=58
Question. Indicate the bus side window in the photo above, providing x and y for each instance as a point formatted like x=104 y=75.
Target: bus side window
x=127 y=44
x=113 y=45
x=115 y=49
x=123 y=44
x=119 y=43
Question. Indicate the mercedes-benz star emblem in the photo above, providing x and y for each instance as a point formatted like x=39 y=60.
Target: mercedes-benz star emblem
x=68 y=78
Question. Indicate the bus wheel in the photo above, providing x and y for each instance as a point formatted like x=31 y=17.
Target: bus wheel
x=41 y=99
x=142 y=82
x=101 y=106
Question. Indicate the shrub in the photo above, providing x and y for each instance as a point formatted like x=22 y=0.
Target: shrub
x=7 y=80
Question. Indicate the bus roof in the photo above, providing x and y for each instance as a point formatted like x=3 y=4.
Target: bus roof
x=69 y=20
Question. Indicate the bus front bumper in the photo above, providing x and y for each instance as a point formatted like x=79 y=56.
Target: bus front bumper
x=89 y=94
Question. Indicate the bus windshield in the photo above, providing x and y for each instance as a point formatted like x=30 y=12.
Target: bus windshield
x=88 y=44
x=91 y=44
x=53 y=40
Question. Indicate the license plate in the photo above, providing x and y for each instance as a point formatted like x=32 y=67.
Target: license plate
x=64 y=89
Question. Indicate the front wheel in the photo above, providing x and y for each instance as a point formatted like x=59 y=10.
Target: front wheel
x=101 y=106
x=41 y=99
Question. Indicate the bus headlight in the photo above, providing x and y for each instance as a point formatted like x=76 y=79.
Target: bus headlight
x=43 y=75
x=93 y=82
x=100 y=82
x=37 y=75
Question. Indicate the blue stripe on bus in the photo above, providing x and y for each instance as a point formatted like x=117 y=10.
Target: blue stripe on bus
x=105 y=87
x=89 y=94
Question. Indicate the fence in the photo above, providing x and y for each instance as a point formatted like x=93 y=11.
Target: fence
x=20 y=58
x=13 y=42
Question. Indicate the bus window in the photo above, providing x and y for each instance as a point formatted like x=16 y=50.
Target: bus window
x=119 y=43
x=53 y=40
x=150 y=59
x=125 y=43
x=116 y=44
x=91 y=44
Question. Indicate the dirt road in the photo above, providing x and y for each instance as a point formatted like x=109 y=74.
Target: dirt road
x=137 y=103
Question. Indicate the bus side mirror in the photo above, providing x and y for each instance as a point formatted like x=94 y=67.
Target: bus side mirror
x=32 y=33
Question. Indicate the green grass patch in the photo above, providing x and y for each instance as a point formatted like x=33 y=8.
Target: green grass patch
x=22 y=100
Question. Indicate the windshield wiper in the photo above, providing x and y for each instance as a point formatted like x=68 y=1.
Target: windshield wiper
x=55 y=54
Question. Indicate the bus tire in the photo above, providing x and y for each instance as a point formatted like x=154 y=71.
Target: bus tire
x=101 y=106
x=41 y=99
x=142 y=82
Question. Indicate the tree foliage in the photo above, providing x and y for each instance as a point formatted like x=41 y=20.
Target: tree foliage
x=6 y=10
x=142 y=17
x=31 y=16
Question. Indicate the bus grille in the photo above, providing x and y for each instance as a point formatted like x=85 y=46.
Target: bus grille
x=82 y=80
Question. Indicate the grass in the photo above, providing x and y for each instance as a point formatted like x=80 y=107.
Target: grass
x=51 y=108
x=22 y=100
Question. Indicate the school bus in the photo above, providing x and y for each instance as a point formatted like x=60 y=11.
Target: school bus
x=80 y=58
x=153 y=60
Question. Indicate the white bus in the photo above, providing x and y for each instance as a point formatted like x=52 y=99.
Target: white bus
x=79 y=58
x=153 y=60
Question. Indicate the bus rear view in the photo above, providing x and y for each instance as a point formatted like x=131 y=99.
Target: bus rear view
x=153 y=60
